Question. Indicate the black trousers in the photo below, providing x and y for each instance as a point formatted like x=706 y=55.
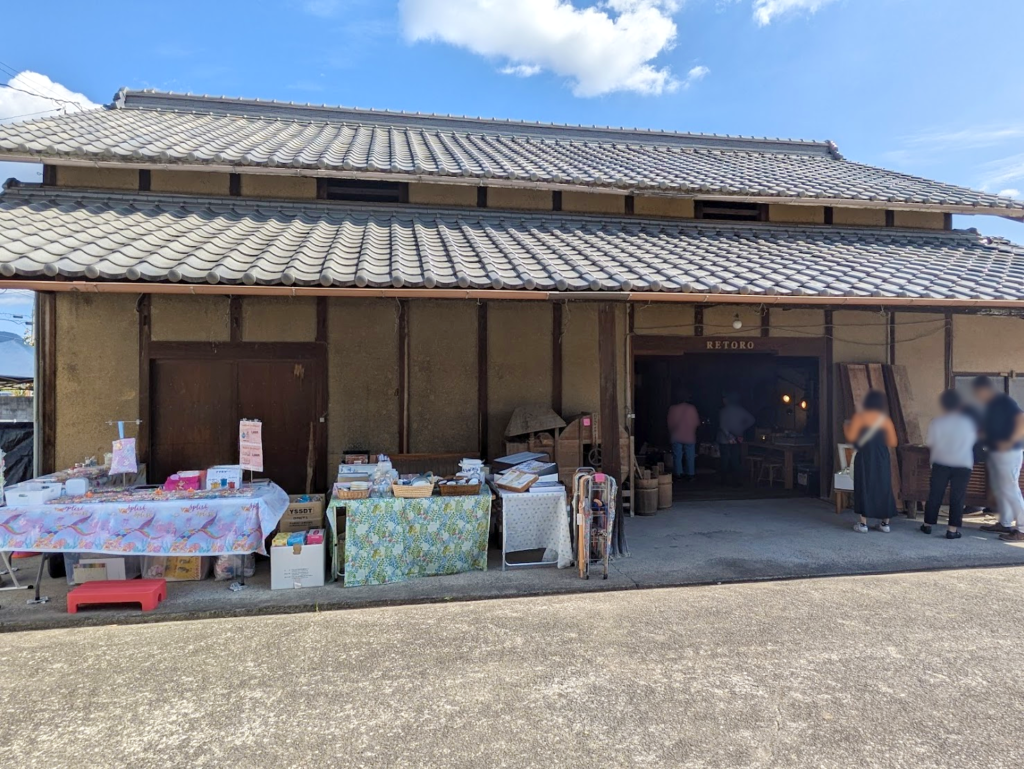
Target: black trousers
x=731 y=463
x=956 y=478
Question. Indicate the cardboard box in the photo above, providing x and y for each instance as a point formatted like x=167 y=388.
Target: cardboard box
x=191 y=568
x=294 y=566
x=305 y=511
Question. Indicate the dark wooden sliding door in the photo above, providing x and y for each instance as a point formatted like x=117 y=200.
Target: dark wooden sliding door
x=200 y=391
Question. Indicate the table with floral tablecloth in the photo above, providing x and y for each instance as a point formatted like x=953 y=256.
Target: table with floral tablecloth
x=388 y=539
x=532 y=521
x=147 y=522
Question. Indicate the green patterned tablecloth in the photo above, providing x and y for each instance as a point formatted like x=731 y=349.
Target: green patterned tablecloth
x=391 y=540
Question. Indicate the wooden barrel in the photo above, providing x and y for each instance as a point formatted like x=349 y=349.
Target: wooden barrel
x=664 y=492
x=647 y=496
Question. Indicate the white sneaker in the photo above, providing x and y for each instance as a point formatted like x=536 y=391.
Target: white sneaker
x=883 y=527
x=860 y=528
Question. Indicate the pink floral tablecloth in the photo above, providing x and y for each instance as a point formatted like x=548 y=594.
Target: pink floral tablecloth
x=146 y=524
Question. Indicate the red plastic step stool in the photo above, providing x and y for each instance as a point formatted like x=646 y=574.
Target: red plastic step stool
x=147 y=592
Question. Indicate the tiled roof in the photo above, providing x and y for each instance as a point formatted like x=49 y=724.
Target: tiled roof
x=144 y=128
x=149 y=237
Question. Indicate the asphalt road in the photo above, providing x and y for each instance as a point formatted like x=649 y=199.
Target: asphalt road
x=915 y=670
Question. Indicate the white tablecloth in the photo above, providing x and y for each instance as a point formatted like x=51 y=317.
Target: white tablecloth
x=534 y=521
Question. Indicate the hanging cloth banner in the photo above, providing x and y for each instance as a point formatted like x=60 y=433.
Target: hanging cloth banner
x=250 y=445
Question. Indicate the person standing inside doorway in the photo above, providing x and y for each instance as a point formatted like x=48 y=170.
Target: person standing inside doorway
x=873 y=435
x=733 y=422
x=683 y=421
x=1003 y=430
x=951 y=438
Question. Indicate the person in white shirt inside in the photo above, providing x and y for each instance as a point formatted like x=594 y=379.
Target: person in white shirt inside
x=951 y=438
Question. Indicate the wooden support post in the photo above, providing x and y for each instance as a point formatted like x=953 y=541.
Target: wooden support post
x=765 y=322
x=828 y=418
x=607 y=354
x=144 y=439
x=948 y=362
x=46 y=380
x=556 y=358
x=698 y=320
x=235 y=313
x=321 y=319
x=892 y=337
x=481 y=377
x=403 y=376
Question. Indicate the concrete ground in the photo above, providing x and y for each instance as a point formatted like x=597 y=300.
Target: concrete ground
x=689 y=544
x=914 y=670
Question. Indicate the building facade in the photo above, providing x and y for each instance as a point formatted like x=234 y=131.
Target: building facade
x=400 y=283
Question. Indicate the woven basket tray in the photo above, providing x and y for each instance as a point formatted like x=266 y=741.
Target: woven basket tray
x=358 y=494
x=465 y=490
x=412 y=492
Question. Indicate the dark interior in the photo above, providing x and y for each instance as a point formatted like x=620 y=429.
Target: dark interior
x=762 y=383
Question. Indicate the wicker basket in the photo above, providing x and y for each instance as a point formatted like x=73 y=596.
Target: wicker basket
x=463 y=490
x=412 y=492
x=350 y=494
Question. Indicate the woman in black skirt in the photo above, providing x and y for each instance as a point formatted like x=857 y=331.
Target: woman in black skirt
x=873 y=435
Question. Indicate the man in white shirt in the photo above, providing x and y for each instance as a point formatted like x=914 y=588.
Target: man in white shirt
x=951 y=438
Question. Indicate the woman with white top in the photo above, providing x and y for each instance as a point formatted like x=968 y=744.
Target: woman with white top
x=951 y=438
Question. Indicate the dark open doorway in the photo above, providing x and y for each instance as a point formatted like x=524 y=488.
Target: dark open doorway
x=779 y=454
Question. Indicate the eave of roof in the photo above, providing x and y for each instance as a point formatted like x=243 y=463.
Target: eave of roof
x=160 y=242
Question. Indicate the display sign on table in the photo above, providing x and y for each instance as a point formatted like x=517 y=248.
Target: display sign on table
x=250 y=445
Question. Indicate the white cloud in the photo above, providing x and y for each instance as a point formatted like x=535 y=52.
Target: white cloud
x=1011 y=193
x=695 y=75
x=1003 y=172
x=765 y=11
x=29 y=96
x=521 y=70
x=602 y=48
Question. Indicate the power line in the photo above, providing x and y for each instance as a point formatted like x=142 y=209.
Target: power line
x=26 y=114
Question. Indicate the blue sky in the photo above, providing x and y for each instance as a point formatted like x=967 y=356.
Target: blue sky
x=929 y=87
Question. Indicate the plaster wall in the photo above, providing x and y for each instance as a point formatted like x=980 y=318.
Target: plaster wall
x=189 y=182
x=519 y=199
x=593 y=203
x=519 y=363
x=858 y=217
x=278 y=319
x=97 y=377
x=186 y=318
x=443 y=376
x=101 y=178
x=799 y=323
x=362 y=366
x=442 y=194
x=677 y=208
x=273 y=186
x=796 y=214
x=674 y=319
x=987 y=344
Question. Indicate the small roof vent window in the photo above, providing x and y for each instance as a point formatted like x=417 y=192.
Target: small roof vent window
x=362 y=191
x=730 y=212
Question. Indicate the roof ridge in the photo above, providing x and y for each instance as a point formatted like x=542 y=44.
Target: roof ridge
x=151 y=99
